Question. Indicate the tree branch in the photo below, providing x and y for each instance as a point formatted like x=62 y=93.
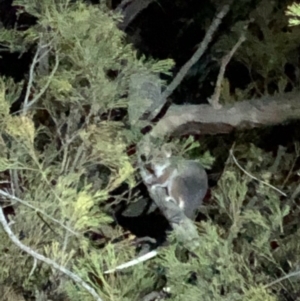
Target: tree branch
x=133 y=262
x=214 y=100
x=36 y=59
x=157 y=106
x=197 y=55
x=204 y=119
x=44 y=259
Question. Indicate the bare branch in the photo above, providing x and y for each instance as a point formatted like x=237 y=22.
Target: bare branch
x=33 y=267
x=31 y=75
x=293 y=274
x=157 y=105
x=204 y=119
x=196 y=56
x=44 y=58
x=36 y=59
x=214 y=100
x=254 y=178
x=133 y=262
x=44 y=259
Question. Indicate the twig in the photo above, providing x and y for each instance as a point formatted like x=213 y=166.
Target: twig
x=27 y=105
x=296 y=192
x=133 y=262
x=293 y=165
x=204 y=44
x=65 y=244
x=33 y=267
x=47 y=224
x=293 y=274
x=12 y=186
x=44 y=259
x=251 y=176
x=14 y=198
x=44 y=58
x=31 y=71
x=214 y=100
x=14 y=182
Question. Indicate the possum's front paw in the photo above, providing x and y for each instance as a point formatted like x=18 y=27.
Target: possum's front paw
x=149 y=179
x=170 y=199
x=179 y=203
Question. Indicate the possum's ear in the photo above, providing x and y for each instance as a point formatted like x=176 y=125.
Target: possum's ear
x=168 y=153
x=168 y=149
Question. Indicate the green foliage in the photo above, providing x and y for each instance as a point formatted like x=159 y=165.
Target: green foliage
x=55 y=164
x=293 y=11
x=112 y=287
x=236 y=258
x=66 y=171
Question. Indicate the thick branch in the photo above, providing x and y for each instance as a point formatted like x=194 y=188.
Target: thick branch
x=204 y=119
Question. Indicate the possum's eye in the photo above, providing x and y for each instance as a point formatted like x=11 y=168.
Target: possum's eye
x=143 y=158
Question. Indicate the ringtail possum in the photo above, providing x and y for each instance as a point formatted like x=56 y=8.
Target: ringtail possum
x=185 y=180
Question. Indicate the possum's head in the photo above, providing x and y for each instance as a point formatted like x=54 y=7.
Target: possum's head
x=156 y=159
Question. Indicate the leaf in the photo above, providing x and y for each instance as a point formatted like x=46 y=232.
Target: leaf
x=21 y=128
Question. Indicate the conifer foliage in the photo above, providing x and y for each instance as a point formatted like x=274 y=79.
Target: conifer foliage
x=65 y=149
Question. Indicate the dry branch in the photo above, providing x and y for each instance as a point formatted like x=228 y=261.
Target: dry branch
x=204 y=119
x=254 y=178
x=157 y=106
x=214 y=100
x=197 y=55
x=133 y=262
